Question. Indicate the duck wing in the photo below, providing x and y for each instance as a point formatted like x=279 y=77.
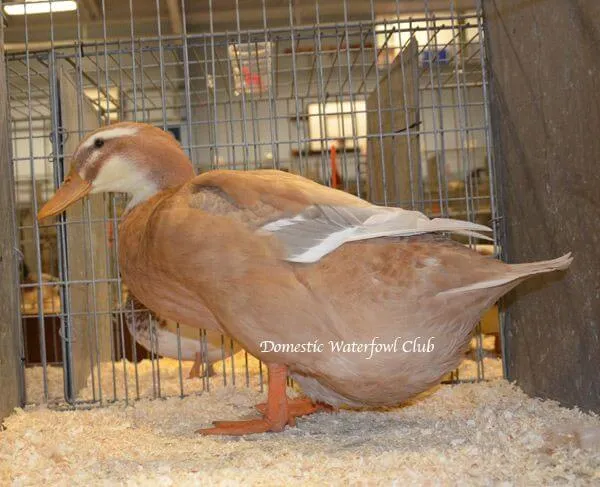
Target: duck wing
x=311 y=220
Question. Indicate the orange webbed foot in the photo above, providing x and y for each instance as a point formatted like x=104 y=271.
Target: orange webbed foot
x=248 y=427
x=277 y=414
x=301 y=406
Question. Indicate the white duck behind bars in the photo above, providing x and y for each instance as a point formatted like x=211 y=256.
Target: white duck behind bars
x=177 y=341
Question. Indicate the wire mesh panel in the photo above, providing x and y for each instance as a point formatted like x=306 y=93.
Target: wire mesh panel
x=383 y=99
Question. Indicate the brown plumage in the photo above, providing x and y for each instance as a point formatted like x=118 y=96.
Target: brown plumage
x=270 y=256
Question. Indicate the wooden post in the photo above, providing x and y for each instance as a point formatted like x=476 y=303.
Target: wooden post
x=86 y=255
x=544 y=71
x=10 y=367
x=396 y=156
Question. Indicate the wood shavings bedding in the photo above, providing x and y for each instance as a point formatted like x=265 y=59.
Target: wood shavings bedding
x=114 y=382
x=471 y=434
x=468 y=434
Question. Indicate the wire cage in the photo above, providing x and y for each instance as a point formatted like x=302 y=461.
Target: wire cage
x=383 y=99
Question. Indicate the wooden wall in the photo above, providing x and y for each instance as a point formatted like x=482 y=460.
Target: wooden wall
x=545 y=84
x=10 y=395
x=393 y=160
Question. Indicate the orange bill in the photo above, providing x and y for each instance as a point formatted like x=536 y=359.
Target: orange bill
x=72 y=189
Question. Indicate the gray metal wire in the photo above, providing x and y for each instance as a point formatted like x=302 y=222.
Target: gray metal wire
x=237 y=89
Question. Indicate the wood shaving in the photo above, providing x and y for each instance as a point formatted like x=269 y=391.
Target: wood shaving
x=483 y=433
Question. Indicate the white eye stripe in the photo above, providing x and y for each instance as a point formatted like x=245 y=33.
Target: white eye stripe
x=110 y=134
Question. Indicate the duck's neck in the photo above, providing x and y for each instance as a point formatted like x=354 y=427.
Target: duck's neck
x=143 y=193
x=157 y=178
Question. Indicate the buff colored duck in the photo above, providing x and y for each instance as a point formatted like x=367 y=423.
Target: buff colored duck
x=268 y=257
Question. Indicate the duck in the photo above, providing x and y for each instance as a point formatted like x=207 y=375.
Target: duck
x=361 y=305
x=177 y=341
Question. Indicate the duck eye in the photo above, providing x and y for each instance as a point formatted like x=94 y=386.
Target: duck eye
x=98 y=143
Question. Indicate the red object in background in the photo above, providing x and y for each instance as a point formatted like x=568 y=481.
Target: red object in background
x=335 y=176
x=251 y=80
x=333 y=155
x=110 y=232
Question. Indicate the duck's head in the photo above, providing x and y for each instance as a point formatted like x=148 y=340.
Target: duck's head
x=126 y=157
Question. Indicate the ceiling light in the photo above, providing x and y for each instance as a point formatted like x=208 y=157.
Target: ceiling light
x=32 y=7
x=106 y=107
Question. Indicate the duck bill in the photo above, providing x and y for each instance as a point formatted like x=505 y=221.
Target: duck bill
x=72 y=189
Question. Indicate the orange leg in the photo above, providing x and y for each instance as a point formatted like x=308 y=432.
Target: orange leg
x=277 y=414
x=300 y=406
x=195 y=371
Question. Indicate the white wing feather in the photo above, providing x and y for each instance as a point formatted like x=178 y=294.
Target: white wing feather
x=321 y=229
